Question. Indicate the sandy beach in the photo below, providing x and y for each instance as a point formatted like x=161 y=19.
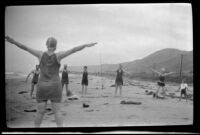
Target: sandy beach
x=104 y=109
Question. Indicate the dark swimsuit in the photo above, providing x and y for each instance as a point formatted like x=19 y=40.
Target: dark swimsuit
x=49 y=84
x=35 y=77
x=183 y=91
x=161 y=81
x=65 y=79
x=85 y=79
x=119 y=79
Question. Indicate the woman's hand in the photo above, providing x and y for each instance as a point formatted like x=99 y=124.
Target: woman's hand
x=91 y=44
x=9 y=39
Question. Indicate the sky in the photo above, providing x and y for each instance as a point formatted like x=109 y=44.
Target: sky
x=124 y=32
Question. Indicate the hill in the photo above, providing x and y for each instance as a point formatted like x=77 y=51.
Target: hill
x=169 y=58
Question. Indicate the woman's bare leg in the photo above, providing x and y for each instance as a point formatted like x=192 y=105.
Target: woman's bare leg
x=186 y=97
x=180 y=97
x=120 y=88
x=156 y=94
x=82 y=90
x=40 y=113
x=32 y=89
x=85 y=89
x=56 y=107
x=67 y=91
x=62 y=86
x=116 y=87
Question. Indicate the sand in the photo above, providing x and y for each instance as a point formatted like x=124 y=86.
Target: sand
x=104 y=109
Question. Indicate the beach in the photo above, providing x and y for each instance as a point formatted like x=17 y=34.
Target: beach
x=104 y=109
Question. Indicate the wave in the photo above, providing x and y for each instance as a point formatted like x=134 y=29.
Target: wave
x=11 y=75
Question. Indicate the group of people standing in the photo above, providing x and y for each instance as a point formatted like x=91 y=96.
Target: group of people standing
x=50 y=86
x=64 y=80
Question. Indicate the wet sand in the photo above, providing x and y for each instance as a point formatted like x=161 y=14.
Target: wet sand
x=104 y=109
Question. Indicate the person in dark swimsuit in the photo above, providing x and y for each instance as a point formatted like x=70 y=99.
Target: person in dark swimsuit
x=49 y=85
x=84 y=81
x=183 y=88
x=35 y=73
x=161 y=82
x=119 y=79
x=65 y=80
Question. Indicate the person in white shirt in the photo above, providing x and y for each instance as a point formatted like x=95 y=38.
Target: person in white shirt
x=183 y=87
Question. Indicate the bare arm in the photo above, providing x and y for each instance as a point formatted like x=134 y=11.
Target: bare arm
x=155 y=71
x=168 y=73
x=28 y=75
x=36 y=53
x=178 y=88
x=63 y=54
x=126 y=72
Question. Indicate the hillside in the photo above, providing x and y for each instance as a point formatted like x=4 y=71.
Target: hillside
x=168 y=58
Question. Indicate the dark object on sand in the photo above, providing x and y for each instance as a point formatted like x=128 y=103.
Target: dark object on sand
x=112 y=85
x=85 y=105
x=48 y=109
x=33 y=110
x=160 y=97
x=149 y=92
x=73 y=97
x=105 y=104
x=22 y=92
x=130 y=102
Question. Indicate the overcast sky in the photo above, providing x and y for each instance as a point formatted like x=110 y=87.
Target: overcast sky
x=124 y=32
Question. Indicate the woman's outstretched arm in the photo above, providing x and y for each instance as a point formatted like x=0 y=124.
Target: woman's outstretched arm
x=63 y=54
x=36 y=53
x=29 y=75
x=126 y=72
x=169 y=73
x=155 y=71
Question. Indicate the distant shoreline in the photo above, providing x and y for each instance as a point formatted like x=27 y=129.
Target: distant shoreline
x=16 y=75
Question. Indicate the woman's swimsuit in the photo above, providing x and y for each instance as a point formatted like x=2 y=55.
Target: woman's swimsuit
x=49 y=84
x=119 y=79
x=35 y=77
x=161 y=81
x=85 y=79
x=65 y=77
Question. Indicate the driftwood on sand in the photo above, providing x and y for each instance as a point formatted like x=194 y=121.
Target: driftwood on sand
x=130 y=102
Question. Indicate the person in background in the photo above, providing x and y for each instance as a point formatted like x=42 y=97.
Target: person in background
x=35 y=73
x=65 y=80
x=161 y=82
x=119 y=79
x=84 y=81
x=183 y=88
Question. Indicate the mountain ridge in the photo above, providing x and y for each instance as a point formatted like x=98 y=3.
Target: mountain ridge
x=168 y=58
